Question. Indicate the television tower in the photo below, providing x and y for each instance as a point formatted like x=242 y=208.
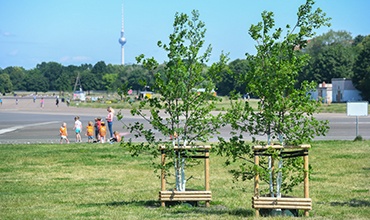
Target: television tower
x=122 y=41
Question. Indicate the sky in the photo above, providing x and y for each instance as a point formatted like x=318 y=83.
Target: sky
x=75 y=32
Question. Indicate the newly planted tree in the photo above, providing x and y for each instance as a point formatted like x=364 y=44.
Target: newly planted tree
x=180 y=114
x=285 y=112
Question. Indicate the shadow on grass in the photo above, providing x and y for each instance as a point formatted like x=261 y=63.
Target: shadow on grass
x=213 y=210
x=149 y=203
x=352 y=203
x=216 y=210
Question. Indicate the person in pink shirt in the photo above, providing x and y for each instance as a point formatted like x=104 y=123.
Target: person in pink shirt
x=109 y=119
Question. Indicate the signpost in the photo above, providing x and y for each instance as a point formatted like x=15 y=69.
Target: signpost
x=357 y=109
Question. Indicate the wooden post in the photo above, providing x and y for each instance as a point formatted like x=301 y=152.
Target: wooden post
x=206 y=173
x=272 y=175
x=256 y=181
x=163 y=173
x=306 y=184
x=206 y=170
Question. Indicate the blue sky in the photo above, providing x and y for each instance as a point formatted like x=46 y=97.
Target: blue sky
x=74 y=32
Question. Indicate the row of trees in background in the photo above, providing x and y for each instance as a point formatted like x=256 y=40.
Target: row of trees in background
x=52 y=76
x=335 y=54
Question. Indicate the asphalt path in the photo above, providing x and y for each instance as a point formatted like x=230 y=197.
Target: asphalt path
x=27 y=122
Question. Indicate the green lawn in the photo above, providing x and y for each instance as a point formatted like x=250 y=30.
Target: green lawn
x=224 y=104
x=102 y=181
x=114 y=101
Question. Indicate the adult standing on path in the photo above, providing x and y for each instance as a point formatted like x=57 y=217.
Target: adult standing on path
x=57 y=101
x=109 y=119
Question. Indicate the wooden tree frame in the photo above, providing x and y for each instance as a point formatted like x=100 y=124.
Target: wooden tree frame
x=183 y=196
x=282 y=203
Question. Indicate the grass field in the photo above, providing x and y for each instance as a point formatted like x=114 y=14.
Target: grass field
x=223 y=105
x=114 y=101
x=102 y=181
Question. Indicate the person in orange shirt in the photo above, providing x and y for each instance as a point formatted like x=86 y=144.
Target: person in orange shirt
x=97 y=128
x=63 y=133
x=102 y=132
x=90 y=132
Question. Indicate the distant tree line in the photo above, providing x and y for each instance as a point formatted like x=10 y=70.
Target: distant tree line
x=335 y=54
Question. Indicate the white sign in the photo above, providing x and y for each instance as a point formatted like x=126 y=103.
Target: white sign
x=357 y=108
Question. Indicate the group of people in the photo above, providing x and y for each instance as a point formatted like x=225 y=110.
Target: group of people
x=96 y=132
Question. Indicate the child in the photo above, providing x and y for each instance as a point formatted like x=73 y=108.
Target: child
x=116 y=137
x=97 y=128
x=42 y=102
x=102 y=132
x=90 y=132
x=78 y=129
x=63 y=133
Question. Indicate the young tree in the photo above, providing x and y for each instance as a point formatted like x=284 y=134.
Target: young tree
x=285 y=113
x=180 y=110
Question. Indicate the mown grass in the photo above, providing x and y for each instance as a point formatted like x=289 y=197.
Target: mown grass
x=333 y=108
x=224 y=104
x=114 y=101
x=102 y=181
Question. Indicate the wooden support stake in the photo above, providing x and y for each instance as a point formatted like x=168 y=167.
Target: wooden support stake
x=256 y=182
x=163 y=175
x=306 y=184
x=206 y=174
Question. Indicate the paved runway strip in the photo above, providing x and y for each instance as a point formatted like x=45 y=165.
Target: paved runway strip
x=6 y=130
